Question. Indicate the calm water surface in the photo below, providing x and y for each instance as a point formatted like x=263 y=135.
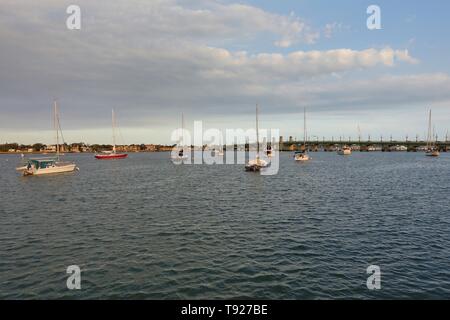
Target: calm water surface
x=145 y=228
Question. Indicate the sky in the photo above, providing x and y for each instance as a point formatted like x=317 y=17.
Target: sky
x=213 y=60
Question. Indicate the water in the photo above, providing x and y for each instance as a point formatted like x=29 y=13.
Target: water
x=144 y=228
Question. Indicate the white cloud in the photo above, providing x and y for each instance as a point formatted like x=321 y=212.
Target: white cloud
x=299 y=64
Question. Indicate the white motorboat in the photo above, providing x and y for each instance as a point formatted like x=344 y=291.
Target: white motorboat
x=42 y=166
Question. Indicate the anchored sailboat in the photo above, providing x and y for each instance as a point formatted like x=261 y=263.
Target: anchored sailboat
x=269 y=151
x=111 y=155
x=303 y=155
x=432 y=150
x=345 y=151
x=180 y=155
x=256 y=164
x=41 y=166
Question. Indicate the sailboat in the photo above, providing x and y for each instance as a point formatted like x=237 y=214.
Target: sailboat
x=42 y=166
x=345 y=151
x=269 y=151
x=181 y=154
x=111 y=155
x=432 y=151
x=303 y=155
x=256 y=164
x=218 y=152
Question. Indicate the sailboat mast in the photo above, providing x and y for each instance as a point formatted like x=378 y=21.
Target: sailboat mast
x=182 y=131
x=434 y=140
x=55 y=121
x=304 y=128
x=114 y=129
x=257 y=132
x=429 y=131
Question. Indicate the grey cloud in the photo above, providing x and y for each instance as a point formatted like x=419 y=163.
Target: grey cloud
x=152 y=59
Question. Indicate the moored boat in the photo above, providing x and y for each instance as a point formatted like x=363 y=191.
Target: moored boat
x=303 y=155
x=433 y=153
x=431 y=149
x=255 y=165
x=111 y=155
x=42 y=166
x=269 y=151
x=345 y=151
x=179 y=154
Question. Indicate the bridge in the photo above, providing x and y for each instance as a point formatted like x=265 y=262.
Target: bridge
x=368 y=145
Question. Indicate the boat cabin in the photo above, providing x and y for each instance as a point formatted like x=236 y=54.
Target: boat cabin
x=41 y=163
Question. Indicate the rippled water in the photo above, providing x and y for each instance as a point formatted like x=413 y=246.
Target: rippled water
x=145 y=228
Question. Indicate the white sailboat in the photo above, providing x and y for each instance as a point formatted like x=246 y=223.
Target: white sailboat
x=256 y=164
x=217 y=152
x=42 y=166
x=303 y=155
x=345 y=151
x=111 y=155
x=220 y=152
x=431 y=150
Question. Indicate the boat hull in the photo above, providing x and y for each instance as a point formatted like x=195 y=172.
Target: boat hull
x=301 y=158
x=179 y=158
x=111 y=156
x=433 y=154
x=253 y=168
x=256 y=165
x=50 y=170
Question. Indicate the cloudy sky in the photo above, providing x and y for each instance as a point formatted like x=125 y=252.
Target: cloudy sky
x=214 y=60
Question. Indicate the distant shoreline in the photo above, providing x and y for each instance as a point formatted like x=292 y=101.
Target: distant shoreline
x=283 y=151
x=71 y=152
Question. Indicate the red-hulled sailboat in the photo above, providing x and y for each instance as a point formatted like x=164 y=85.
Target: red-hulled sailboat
x=111 y=155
